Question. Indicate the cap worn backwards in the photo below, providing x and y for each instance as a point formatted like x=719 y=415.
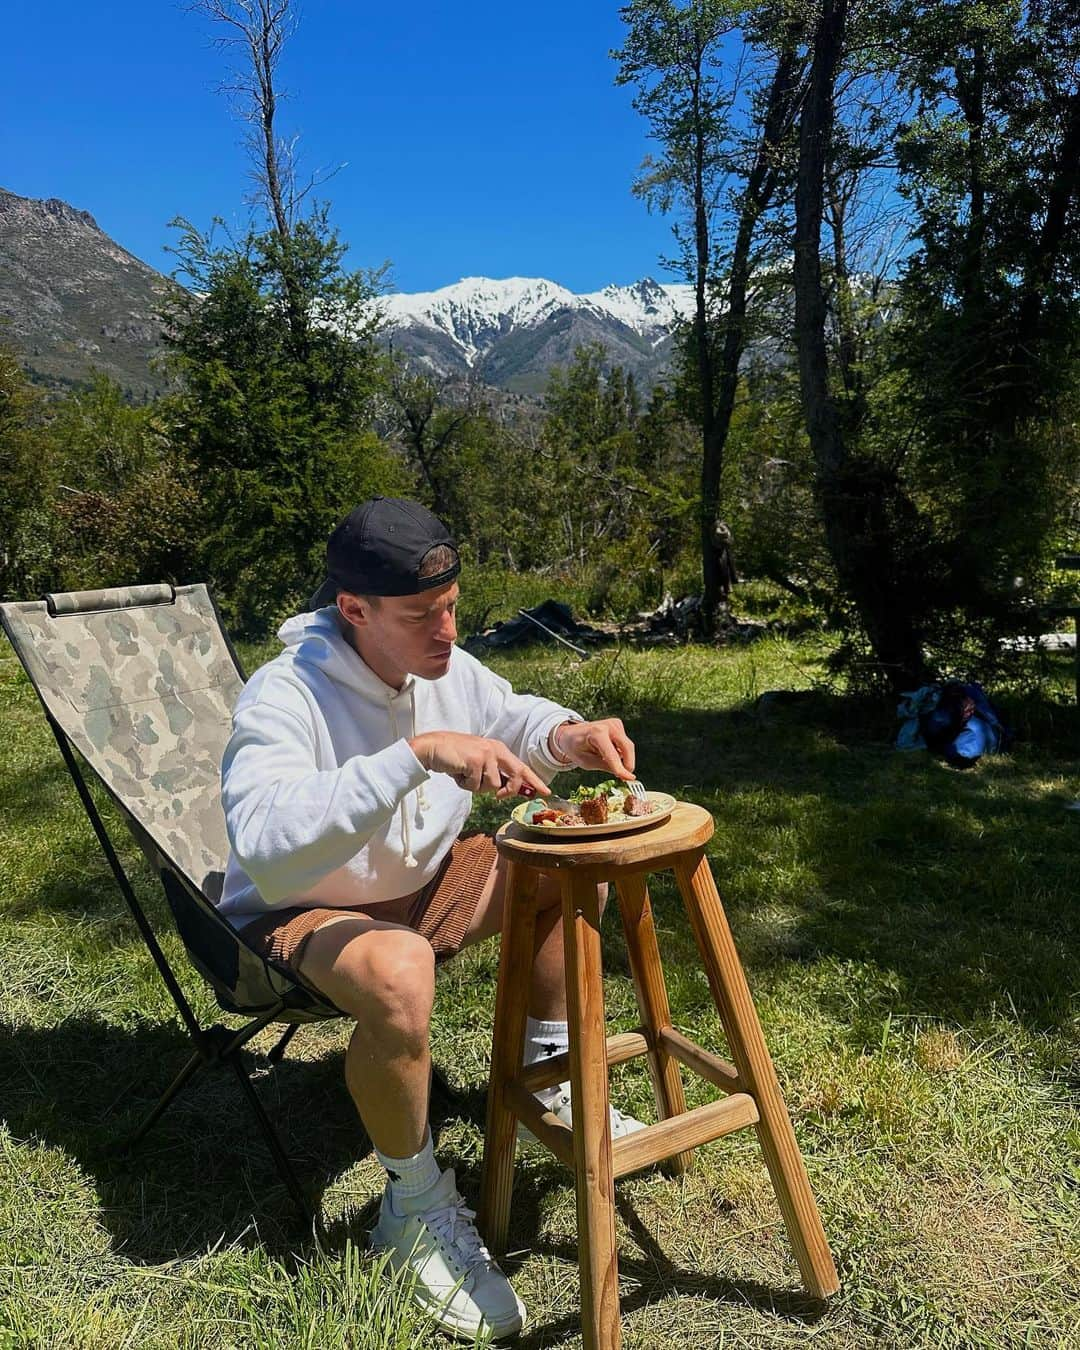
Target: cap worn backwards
x=379 y=549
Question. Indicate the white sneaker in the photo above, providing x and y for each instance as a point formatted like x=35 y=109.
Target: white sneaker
x=457 y=1281
x=621 y=1125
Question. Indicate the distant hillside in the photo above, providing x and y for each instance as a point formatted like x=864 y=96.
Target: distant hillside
x=72 y=300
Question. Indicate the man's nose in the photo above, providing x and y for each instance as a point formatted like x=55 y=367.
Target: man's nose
x=448 y=628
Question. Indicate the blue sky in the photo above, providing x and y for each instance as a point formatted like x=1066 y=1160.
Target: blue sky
x=480 y=139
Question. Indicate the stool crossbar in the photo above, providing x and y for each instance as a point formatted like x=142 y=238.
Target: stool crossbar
x=751 y=1093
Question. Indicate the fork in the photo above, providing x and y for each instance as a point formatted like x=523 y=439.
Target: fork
x=636 y=788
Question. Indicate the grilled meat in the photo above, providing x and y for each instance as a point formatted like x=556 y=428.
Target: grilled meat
x=594 y=810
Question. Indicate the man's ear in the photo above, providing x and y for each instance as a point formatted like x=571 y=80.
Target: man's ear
x=354 y=609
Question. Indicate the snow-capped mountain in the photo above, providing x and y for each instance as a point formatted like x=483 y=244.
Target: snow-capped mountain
x=511 y=332
x=72 y=300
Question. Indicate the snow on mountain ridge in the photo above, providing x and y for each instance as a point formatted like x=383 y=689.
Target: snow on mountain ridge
x=476 y=311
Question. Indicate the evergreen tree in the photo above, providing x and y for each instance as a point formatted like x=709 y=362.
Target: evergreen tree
x=274 y=346
x=991 y=317
x=275 y=418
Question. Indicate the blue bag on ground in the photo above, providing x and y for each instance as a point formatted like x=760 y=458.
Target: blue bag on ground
x=954 y=720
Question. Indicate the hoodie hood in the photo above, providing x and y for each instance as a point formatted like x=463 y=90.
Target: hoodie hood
x=317 y=640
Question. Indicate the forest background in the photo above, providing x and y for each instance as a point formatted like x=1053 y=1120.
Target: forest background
x=876 y=396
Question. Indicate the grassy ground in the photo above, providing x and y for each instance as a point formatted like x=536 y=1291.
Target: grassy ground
x=912 y=941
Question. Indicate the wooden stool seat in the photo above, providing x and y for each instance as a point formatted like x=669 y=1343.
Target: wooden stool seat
x=651 y=849
x=751 y=1092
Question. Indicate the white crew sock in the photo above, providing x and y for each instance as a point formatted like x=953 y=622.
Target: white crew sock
x=542 y=1040
x=410 y=1177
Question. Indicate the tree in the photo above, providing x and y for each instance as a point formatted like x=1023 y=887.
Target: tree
x=674 y=55
x=27 y=484
x=938 y=489
x=259 y=30
x=871 y=526
x=588 y=444
x=432 y=427
x=281 y=439
x=103 y=441
x=274 y=342
x=991 y=317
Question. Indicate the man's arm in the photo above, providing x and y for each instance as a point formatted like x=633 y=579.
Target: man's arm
x=289 y=823
x=523 y=722
x=550 y=737
x=600 y=745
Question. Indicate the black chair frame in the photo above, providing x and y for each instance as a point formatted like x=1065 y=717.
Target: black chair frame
x=216 y=1045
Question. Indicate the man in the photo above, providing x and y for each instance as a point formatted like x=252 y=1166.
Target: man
x=346 y=783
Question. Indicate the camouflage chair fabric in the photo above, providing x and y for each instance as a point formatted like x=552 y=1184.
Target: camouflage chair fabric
x=142 y=681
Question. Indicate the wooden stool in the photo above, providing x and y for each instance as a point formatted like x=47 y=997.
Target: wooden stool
x=752 y=1093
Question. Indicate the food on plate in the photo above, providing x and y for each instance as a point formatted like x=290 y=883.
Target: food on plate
x=606 y=803
x=594 y=810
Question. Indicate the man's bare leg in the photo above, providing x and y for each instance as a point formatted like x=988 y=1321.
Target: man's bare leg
x=383 y=975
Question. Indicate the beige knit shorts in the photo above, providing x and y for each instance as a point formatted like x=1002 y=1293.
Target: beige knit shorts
x=441 y=912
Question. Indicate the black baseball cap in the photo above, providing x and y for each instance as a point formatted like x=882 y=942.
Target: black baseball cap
x=379 y=548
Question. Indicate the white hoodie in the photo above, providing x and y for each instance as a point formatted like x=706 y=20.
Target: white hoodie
x=325 y=802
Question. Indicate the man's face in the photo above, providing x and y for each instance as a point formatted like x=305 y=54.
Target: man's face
x=405 y=634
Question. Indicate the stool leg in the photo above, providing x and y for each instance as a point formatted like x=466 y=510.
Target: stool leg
x=592 y=1129
x=652 y=1001
x=507 y=1048
x=751 y=1056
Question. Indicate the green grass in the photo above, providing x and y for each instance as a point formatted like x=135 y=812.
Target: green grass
x=911 y=938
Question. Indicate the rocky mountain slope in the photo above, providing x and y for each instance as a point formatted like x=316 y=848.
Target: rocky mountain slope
x=72 y=300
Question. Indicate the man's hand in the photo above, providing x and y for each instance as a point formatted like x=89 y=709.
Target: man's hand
x=596 y=745
x=477 y=764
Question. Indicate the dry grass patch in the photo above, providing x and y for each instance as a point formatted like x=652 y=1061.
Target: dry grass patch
x=978 y=1259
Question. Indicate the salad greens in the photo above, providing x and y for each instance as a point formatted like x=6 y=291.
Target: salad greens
x=609 y=788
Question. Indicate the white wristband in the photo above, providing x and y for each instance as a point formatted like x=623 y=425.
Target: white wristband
x=553 y=741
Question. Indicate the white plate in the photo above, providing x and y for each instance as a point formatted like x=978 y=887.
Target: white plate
x=665 y=805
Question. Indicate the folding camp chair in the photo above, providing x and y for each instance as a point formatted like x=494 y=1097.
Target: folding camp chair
x=141 y=681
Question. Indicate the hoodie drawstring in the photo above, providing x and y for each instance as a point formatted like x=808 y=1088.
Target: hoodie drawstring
x=421 y=800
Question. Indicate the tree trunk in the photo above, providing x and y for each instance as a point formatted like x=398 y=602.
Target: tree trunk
x=712 y=447
x=865 y=513
x=265 y=41
x=1064 y=190
x=724 y=374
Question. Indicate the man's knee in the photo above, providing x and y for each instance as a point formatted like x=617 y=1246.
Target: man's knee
x=386 y=980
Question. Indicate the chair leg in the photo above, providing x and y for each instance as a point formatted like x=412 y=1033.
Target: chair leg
x=754 y=1064
x=652 y=1001
x=273 y=1142
x=508 y=1044
x=190 y=1069
x=597 y=1257
x=277 y=1052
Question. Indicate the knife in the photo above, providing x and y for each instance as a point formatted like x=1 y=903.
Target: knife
x=541 y=803
x=548 y=804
